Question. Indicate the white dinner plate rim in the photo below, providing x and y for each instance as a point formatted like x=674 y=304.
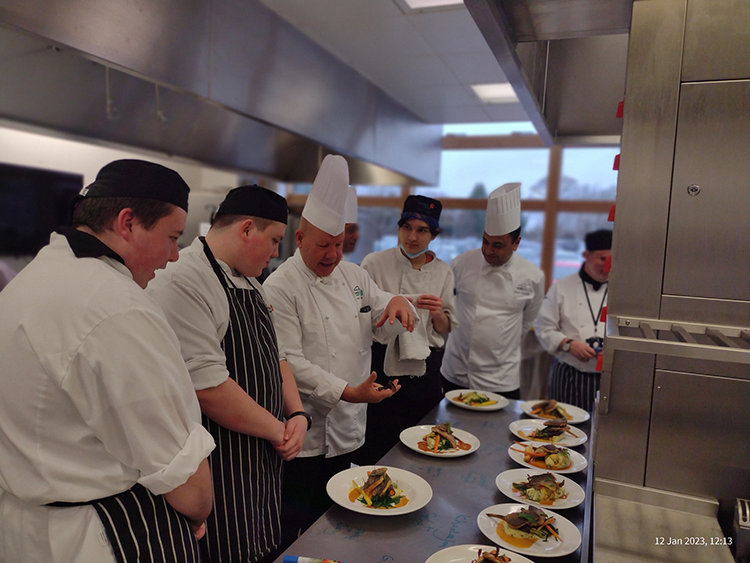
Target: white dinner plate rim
x=462 y=435
x=579 y=462
x=339 y=485
x=579 y=415
x=455 y=551
x=502 y=402
x=568 y=440
x=575 y=491
x=534 y=551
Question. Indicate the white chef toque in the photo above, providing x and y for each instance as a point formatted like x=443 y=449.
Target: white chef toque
x=325 y=205
x=503 y=214
x=350 y=211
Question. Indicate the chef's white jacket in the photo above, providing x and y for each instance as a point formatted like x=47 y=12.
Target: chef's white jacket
x=495 y=307
x=325 y=327
x=565 y=313
x=392 y=271
x=198 y=310
x=94 y=397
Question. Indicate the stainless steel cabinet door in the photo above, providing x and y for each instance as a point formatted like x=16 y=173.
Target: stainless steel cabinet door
x=708 y=240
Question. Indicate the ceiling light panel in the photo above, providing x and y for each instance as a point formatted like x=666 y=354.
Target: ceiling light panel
x=501 y=93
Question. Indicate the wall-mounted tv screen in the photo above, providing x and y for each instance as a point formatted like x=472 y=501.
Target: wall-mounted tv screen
x=33 y=203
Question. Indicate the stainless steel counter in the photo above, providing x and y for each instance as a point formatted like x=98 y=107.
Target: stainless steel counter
x=461 y=487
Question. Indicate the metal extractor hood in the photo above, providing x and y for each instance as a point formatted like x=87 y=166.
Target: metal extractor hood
x=566 y=61
x=223 y=82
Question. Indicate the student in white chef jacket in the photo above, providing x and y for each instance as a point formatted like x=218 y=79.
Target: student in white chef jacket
x=413 y=270
x=246 y=391
x=498 y=296
x=326 y=313
x=100 y=433
x=569 y=325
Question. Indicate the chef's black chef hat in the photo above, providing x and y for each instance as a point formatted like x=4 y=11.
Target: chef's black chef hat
x=140 y=179
x=599 y=240
x=423 y=208
x=254 y=201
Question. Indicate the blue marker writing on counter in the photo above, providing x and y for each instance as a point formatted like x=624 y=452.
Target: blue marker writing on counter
x=295 y=559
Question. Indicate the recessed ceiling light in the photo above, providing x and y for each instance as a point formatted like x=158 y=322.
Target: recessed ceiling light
x=428 y=4
x=501 y=93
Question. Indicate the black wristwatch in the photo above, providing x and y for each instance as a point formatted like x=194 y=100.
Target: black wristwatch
x=566 y=346
x=302 y=413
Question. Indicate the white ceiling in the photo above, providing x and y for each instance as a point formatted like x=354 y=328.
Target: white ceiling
x=426 y=60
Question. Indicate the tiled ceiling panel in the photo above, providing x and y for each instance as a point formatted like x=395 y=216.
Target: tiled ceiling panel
x=425 y=60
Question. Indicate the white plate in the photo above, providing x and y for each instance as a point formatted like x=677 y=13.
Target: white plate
x=468 y=553
x=579 y=462
x=569 y=534
x=412 y=436
x=505 y=481
x=579 y=415
x=416 y=489
x=502 y=402
x=524 y=427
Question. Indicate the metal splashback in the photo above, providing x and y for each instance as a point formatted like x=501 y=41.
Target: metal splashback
x=676 y=377
x=566 y=62
x=240 y=88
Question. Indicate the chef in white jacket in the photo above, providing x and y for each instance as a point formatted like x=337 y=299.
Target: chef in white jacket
x=326 y=313
x=569 y=325
x=498 y=295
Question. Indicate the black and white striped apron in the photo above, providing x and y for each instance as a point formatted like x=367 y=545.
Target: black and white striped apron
x=245 y=522
x=143 y=528
x=569 y=385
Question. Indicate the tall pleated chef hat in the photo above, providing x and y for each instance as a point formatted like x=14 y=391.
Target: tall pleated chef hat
x=503 y=214
x=327 y=200
x=351 y=209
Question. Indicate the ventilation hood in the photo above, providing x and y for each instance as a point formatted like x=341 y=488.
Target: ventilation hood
x=227 y=83
x=566 y=61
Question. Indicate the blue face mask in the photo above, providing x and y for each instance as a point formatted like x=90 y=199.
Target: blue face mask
x=414 y=255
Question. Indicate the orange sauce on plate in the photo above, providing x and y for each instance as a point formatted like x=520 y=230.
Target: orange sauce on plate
x=542 y=465
x=484 y=404
x=524 y=435
x=521 y=543
x=354 y=494
x=422 y=445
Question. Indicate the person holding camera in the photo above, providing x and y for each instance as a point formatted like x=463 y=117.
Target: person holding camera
x=569 y=325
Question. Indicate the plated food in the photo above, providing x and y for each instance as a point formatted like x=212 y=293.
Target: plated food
x=529 y=530
x=470 y=553
x=473 y=399
x=556 y=431
x=378 y=491
x=540 y=488
x=526 y=526
x=389 y=490
x=491 y=556
x=440 y=440
x=554 y=409
x=547 y=456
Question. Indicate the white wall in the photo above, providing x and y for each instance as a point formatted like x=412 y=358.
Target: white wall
x=26 y=148
x=23 y=147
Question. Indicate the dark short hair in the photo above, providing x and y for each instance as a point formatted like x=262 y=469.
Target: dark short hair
x=433 y=230
x=514 y=235
x=98 y=213
x=222 y=221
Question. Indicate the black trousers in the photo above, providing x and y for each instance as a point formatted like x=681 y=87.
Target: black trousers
x=386 y=419
x=304 y=498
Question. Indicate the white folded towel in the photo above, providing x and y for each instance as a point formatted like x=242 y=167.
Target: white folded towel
x=406 y=354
